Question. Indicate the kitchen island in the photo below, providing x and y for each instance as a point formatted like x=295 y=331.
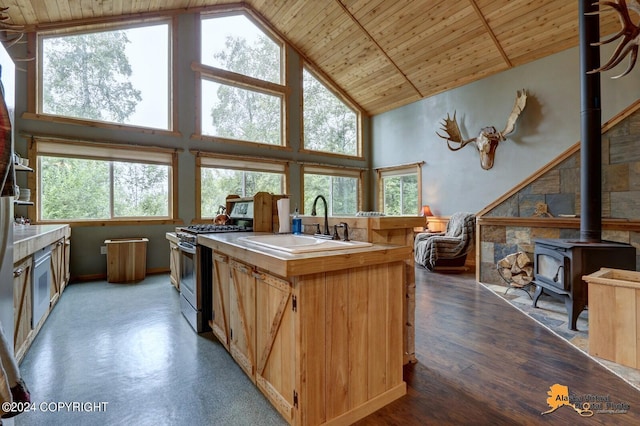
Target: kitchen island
x=320 y=333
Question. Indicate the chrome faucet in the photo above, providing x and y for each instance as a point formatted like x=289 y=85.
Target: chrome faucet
x=326 y=214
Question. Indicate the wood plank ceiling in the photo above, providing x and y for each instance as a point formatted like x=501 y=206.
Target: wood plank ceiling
x=382 y=53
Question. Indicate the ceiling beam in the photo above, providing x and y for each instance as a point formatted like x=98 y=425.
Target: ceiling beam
x=491 y=34
x=373 y=40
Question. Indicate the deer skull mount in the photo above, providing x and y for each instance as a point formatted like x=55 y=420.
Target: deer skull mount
x=629 y=32
x=488 y=139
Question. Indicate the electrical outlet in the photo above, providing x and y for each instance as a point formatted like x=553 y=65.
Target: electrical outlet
x=103 y=249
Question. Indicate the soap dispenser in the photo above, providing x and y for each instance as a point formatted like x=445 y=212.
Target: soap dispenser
x=296 y=223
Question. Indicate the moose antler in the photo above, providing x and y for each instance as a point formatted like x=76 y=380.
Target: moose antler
x=450 y=127
x=489 y=138
x=521 y=101
x=629 y=32
x=11 y=34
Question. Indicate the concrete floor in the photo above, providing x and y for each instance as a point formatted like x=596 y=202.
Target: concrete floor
x=127 y=351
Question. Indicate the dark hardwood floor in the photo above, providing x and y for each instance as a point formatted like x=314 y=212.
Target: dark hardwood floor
x=483 y=362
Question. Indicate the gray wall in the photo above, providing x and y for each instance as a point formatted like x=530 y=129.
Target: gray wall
x=550 y=123
x=86 y=259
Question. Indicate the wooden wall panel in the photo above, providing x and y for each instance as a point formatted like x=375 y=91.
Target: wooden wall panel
x=357 y=324
x=381 y=53
x=337 y=346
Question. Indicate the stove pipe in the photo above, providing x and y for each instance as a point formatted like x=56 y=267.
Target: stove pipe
x=590 y=127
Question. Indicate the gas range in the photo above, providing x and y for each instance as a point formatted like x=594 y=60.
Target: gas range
x=210 y=228
x=240 y=220
x=189 y=234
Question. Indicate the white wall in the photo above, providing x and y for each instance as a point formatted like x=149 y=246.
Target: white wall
x=550 y=123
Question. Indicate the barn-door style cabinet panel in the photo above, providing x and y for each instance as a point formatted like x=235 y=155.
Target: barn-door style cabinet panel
x=41 y=264
x=321 y=337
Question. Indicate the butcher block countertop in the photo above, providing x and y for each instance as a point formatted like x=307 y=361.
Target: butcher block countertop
x=29 y=239
x=290 y=265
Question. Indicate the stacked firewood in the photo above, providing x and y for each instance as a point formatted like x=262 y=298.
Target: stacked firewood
x=516 y=269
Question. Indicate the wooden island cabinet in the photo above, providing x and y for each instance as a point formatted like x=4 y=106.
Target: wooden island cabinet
x=320 y=334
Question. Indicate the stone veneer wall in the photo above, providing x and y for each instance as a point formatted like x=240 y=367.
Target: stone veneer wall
x=559 y=188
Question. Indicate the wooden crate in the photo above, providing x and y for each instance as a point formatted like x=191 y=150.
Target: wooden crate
x=126 y=259
x=614 y=315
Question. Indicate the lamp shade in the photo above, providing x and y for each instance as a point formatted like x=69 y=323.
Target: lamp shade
x=426 y=211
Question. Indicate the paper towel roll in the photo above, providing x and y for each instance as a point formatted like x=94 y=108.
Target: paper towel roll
x=283 y=215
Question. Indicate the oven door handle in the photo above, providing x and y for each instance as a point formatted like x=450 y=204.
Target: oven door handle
x=187 y=248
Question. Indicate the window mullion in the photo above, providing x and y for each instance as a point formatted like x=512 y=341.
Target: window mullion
x=111 y=191
x=330 y=206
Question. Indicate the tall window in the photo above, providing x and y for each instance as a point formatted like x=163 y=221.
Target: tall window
x=399 y=189
x=329 y=124
x=340 y=187
x=99 y=182
x=221 y=176
x=112 y=76
x=242 y=95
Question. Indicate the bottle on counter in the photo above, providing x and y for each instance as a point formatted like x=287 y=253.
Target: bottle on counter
x=296 y=223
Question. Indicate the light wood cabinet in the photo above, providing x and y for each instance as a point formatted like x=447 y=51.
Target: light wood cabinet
x=67 y=258
x=22 y=300
x=242 y=316
x=174 y=264
x=220 y=298
x=323 y=347
x=276 y=343
x=57 y=270
x=27 y=241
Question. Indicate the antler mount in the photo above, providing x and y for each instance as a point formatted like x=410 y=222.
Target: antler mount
x=489 y=138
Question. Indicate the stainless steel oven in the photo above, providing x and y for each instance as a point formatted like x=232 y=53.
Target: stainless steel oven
x=196 y=264
x=195 y=284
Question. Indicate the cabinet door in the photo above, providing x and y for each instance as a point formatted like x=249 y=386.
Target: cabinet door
x=57 y=270
x=220 y=298
x=174 y=264
x=67 y=254
x=275 y=342
x=22 y=300
x=242 y=317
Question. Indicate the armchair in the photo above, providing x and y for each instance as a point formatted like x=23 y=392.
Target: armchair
x=449 y=248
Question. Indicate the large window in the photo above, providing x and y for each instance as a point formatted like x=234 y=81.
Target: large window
x=341 y=188
x=399 y=189
x=241 y=90
x=114 y=75
x=221 y=176
x=329 y=124
x=99 y=182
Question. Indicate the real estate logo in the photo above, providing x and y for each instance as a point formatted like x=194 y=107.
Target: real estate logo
x=586 y=405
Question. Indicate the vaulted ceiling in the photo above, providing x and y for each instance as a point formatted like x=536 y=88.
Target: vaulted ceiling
x=381 y=53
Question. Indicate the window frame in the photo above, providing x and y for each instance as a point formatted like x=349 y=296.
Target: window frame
x=103 y=151
x=35 y=78
x=344 y=98
x=230 y=78
x=400 y=170
x=334 y=171
x=206 y=159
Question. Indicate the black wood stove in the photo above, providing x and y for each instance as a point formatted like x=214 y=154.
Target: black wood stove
x=560 y=264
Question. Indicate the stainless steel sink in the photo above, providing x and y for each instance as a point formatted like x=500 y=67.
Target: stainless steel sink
x=301 y=243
